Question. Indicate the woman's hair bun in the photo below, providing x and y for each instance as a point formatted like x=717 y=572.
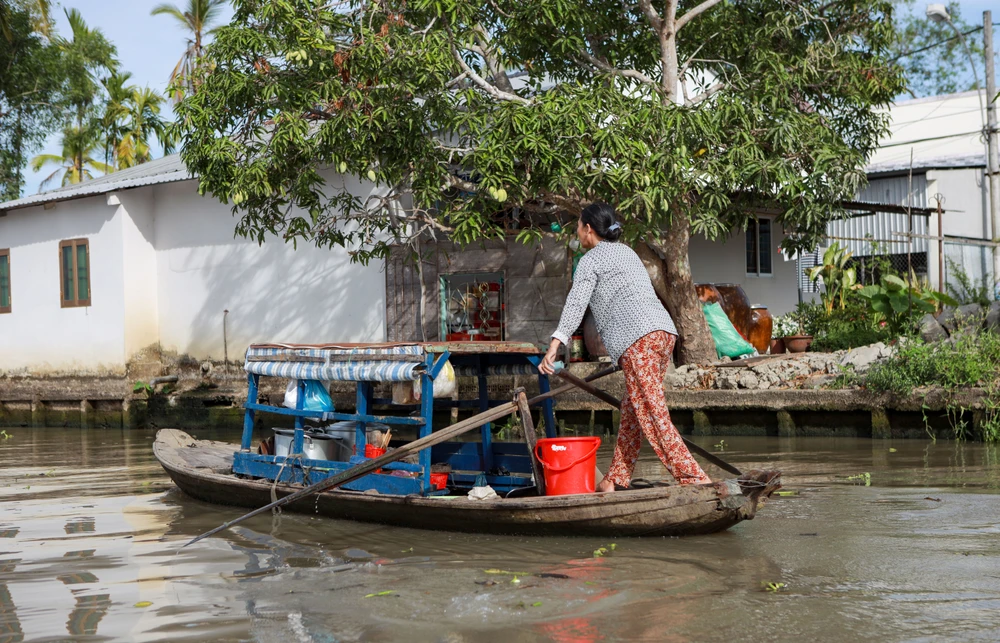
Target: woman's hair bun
x=601 y=217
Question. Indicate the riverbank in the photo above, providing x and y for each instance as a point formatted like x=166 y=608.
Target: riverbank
x=778 y=395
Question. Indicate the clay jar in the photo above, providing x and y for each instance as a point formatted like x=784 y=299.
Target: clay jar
x=707 y=294
x=761 y=325
x=737 y=306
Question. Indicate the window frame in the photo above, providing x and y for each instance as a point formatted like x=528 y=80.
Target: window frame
x=76 y=302
x=5 y=252
x=754 y=228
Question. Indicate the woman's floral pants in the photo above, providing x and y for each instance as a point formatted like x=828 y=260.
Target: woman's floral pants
x=645 y=408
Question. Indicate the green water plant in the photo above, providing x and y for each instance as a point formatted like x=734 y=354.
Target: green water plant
x=862 y=478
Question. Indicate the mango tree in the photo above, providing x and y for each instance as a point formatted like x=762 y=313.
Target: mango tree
x=479 y=117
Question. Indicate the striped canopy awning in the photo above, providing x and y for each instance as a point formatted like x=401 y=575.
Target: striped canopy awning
x=336 y=364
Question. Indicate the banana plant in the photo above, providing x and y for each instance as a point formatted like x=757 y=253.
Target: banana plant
x=837 y=277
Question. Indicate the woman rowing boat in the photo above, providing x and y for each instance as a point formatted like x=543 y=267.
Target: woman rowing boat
x=639 y=335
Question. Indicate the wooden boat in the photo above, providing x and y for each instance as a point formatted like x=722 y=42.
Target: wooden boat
x=204 y=470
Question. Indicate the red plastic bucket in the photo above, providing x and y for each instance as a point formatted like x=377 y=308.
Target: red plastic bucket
x=569 y=464
x=439 y=480
x=374 y=452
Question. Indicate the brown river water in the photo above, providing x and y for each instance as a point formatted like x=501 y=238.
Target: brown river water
x=91 y=530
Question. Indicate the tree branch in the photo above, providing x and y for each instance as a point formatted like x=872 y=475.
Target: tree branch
x=694 y=13
x=479 y=80
x=627 y=73
x=492 y=61
x=654 y=20
x=705 y=95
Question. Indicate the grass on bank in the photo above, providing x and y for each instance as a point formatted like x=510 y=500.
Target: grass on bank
x=970 y=359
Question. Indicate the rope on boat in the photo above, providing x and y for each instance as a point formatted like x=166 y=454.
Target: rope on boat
x=305 y=474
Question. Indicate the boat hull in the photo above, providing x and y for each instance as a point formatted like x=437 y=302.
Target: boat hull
x=202 y=470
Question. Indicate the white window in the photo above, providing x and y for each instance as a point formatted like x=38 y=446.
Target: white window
x=759 y=247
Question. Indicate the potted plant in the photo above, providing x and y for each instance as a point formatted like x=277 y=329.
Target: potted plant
x=786 y=334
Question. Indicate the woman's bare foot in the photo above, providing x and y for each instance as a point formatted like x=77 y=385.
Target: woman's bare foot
x=605 y=486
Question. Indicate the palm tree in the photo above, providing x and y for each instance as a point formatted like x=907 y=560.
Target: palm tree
x=116 y=110
x=41 y=15
x=142 y=122
x=76 y=162
x=86 y=54
x=196 y=20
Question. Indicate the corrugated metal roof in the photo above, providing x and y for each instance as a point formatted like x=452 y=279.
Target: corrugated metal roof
x=935 y=163
x=164 y=170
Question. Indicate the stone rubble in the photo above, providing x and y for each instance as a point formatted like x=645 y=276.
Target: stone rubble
x=792 y=370
x=822 y=370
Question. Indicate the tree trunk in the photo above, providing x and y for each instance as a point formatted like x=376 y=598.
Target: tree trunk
x=675 y=288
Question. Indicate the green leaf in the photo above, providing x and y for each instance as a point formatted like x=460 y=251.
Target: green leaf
x=892 y=282
x=881 y=304
x=870 y=291
x=900 y=302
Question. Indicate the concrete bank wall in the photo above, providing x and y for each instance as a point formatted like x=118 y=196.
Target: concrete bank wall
x=213 y=399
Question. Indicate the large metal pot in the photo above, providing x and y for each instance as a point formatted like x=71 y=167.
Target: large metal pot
x=315 y=446
x=346 y=435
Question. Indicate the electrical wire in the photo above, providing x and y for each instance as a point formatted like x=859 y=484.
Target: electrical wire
x=940 y=42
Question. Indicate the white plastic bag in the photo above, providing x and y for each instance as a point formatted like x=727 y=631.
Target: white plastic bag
x=483 y=493
x=444 y=383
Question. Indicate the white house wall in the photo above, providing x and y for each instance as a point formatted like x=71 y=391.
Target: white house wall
x=139 y=268
x=933 y=127
x=273 y=292
x=965 y=201
x=966 y=215
x=724 y=261
x=39 y=336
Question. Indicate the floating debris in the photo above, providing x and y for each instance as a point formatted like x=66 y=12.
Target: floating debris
x=388 y=592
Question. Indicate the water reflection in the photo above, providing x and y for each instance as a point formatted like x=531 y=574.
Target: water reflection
x=87 y=614
x=10 y=626
x=80 y=526
x=95 y=553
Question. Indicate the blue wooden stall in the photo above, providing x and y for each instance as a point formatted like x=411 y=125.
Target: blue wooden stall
x=506 y=465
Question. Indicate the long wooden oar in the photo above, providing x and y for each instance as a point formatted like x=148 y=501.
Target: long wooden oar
x=615 y=402
x=530 y=439
x=364 y=469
